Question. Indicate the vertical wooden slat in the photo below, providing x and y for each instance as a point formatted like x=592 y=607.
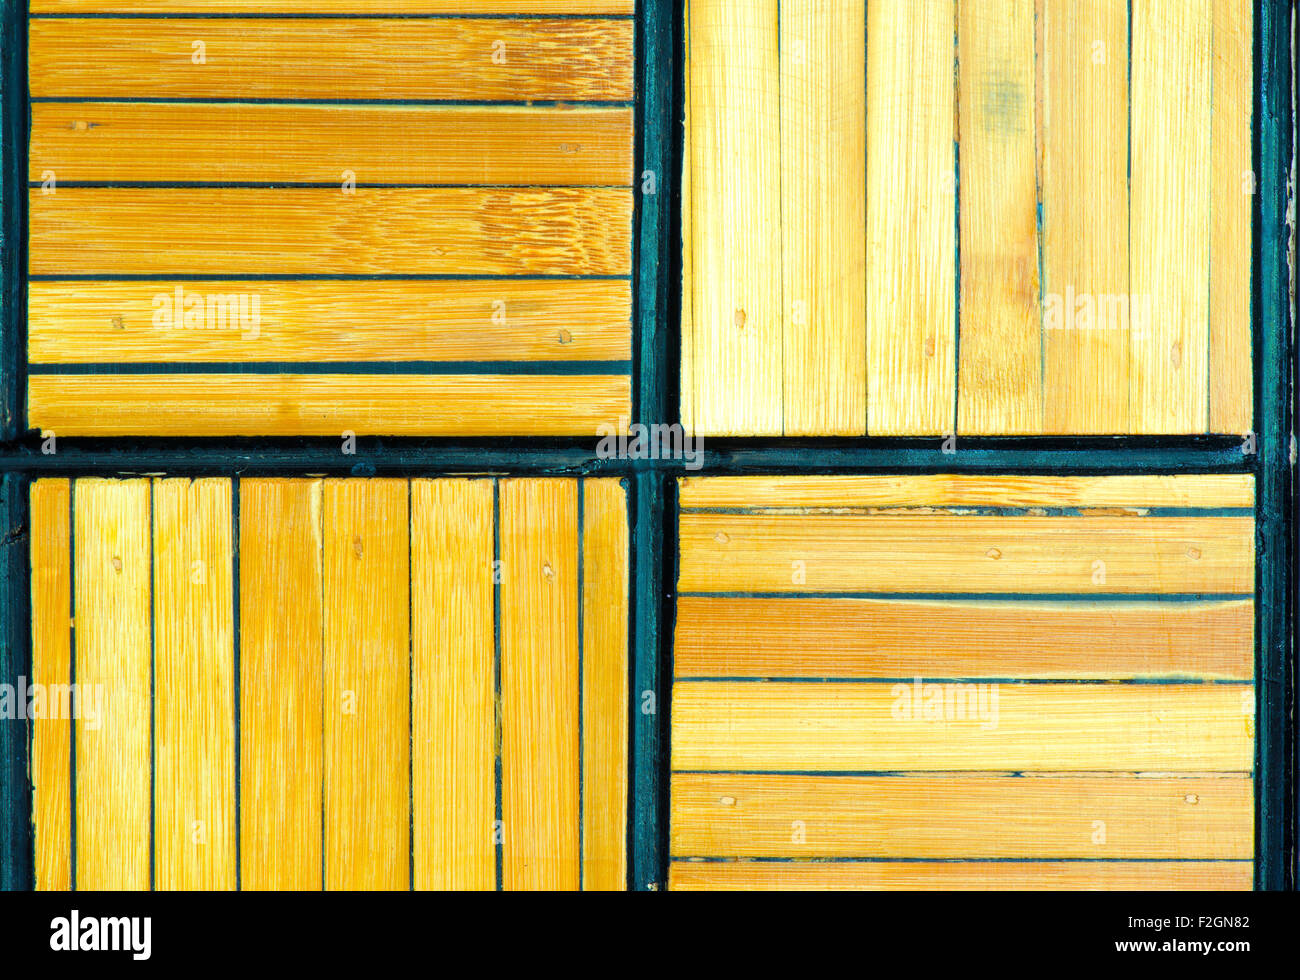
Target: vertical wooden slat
x=367 y=684
x=604 y=685
x=113 y=650
x=823 y=215
x=539 y=683
x=686 y=367
x=911 y=218
x=280 y=721
x=194 y=710
x=452 y=626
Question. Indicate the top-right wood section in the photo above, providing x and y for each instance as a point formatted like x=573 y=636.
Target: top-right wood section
x=972 y=217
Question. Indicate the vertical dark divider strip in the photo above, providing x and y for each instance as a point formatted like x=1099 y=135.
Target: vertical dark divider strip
x=13 y=234
x=17 y=855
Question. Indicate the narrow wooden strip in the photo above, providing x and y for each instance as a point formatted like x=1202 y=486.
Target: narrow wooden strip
x=742 y=637
x=112 y=651
x=884 y=727
x=280 y=722
x=539 y=684
x=911 y=218
x=307 y=230
x=452 y=697
x=905 y=553
x=735 y=224
x=437 y=58
x=289 y=404
x=1000 y=391
x=686 y=312
x=1170 y=218
x=336 y=6
x=367 y=678
x=604 y=685
x=52 y=673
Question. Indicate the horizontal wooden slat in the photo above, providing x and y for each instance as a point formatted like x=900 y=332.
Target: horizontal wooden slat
x=292 y=404
x=242 y=230
x=438 y=320
x=336 y=6
x=126 y=141
x=860 y=727
x=815 y=637
x=438 y=58
x=961 y=817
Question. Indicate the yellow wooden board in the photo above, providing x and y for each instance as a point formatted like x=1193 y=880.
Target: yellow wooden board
x=338 y=6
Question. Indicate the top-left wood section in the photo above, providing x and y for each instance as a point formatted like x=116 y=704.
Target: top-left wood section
x=343 y=222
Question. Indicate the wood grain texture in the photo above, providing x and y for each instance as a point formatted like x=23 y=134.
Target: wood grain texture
x=367 y=692
x=194 y=700
x=539 y=684
x=452 y=696
x=51 y=745
x=304 y=230
x=437 y=58
x=318 y=143
x=686 y=379
x=280 y=689
x=962 y=817
x=336 y=6
x=112 y=651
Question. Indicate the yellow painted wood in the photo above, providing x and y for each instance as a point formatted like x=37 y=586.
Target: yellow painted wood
x=823 y=213
x=367 y=689
x=604 y=685
x=452 y=697
x=735 y=178
x=1044 y=727
x=686 y=313
x=337 y=6
x=193 y=707
x=539 y=683
x=112 y=654
x=280 y=689
x=317 y=143
x=962 y=816
x=1000 y=388
x=52 y=669
x=911 y=218
x=570 y=59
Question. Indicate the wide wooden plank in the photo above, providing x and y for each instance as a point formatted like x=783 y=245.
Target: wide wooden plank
x=869 y=726
x=112 y=654
x=735 y=224
x=295 y=404
x=405 y=320
x=570 y=59
x=128 y=141
x=911 y=218
x=52 y=670
x=336 y=6
x=280 y=688
x=194 y=700
x=823 y=213
x=800 y=637
x=539 y=684
x=604 y=685
x=907 y=553
x=453 y=701
x=1169 y=223
x=455 y=231
x=366 y=701
x=1000 y=388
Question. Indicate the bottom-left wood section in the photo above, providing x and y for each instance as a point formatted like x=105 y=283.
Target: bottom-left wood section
x=340 y=684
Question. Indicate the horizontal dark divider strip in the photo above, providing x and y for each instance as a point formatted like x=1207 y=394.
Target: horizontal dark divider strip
x=340 y=367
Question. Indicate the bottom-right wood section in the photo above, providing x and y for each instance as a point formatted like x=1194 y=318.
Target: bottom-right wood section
x=964 y=682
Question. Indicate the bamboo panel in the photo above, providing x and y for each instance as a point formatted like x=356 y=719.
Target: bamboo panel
x=686 y=305
x=1045 y=727
x=452 y=697
x=338 y=6
x=108 y=231
x=314 y=143
x=52 y=669
x=112 y=655
x=962 y=817
x=281 y=684
x=194 y=709
x=436 y=58
x=540 y=681
x=793 y=637
x=1000 y=373
x=366 y=700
